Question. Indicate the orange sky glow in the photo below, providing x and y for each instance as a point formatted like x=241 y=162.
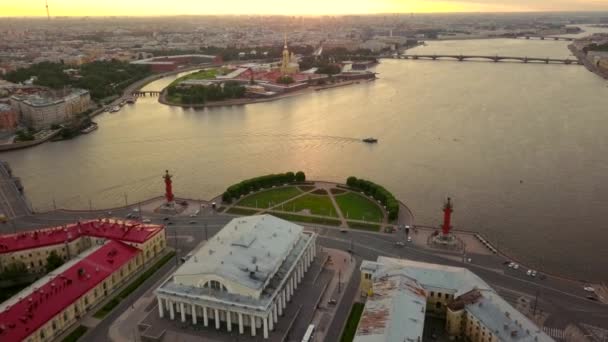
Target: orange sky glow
x=282 y=7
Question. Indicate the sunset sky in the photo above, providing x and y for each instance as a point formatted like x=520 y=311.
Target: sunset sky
x=299 y=7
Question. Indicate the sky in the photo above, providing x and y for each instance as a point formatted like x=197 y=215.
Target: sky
x=284 y=7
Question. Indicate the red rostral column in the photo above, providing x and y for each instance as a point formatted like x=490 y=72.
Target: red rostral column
x=447 y=217
x=168 y=188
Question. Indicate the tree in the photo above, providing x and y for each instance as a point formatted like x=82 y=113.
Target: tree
x=13 y=270
x=53 y=261
x=300 y=176
x=351 y=181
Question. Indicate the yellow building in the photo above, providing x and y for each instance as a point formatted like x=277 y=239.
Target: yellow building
x=102 y=255
x=289 y=62
x=472 y=310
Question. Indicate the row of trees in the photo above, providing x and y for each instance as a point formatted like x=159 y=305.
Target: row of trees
x=378 y=192
x=237 y=190
x=203 y=94
x=101 y=78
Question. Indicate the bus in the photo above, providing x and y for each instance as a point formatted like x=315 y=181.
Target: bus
x=310 y=333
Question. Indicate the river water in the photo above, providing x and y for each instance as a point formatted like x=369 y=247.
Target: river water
x=521 y=148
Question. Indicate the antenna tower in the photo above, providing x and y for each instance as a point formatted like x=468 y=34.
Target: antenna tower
x=48 y=15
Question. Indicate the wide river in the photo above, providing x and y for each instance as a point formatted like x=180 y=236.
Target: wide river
x=521 y=148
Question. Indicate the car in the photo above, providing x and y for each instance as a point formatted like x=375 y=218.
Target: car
x=533 y=273
x=332 y=301
x=399 y=244
x=165 y=219
x=511 y=264
x=169 y=223
x=516 y=266
x=343 y=231
x=593 y=298
x=409 y=239
x=529 y=273
x=589 y=289
x=192 y=222
x=129 y=215
x=506 y=262
x=146 y=221
x=135 y=210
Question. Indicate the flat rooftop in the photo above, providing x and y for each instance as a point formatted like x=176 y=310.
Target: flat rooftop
x=247 y=251
x=33 y=307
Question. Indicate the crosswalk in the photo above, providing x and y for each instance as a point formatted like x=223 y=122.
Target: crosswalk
x=555 y=333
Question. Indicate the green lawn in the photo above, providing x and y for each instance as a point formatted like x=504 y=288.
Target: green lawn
x=364 y=226
x=316 y=204
x=241 y=211
x=109 y=306
x=307 y=219
x=353 y=320
x=263 y=198
x=359 y=207
x=199 y=75
x=76 y=334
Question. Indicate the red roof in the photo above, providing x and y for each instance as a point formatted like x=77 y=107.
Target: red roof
x=30 y=313
x=109 y=229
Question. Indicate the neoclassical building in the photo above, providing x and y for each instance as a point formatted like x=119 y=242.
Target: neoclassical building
x=242 y=278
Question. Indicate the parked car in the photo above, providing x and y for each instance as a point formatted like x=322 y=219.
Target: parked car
x=343 y=231
x=516 y=266
x=409 y=239
x=399 y=244
x=146 y=221
x=589 y=289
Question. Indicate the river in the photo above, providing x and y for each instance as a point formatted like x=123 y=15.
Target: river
x=521 y=148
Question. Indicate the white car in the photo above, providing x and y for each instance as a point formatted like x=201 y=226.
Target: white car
x=409 y=239
x=146 y=221
x=533 y=273
x=515 y=266
x=399 y=244
x=511 y=264
x=529 y=273
x=589 y=289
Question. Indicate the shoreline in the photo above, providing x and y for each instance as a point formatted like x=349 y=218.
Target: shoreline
x=500 y=251
x=245 y=101
x=588 y=65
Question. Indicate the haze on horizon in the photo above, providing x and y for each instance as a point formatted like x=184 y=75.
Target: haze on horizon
x=281 y=7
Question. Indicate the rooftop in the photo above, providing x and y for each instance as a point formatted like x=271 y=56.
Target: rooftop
x=395 y=311
x=27 y=311
x=248 y=251
x=109 y=229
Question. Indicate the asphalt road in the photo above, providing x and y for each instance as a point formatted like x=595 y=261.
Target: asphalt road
x=564 y=300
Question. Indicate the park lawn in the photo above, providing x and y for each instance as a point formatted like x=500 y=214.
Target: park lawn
x=359 y=207
x=307 y=219
x=199 y=75
x=316 y=204
x=353 y=321
x=241 y=211
x=270 y=197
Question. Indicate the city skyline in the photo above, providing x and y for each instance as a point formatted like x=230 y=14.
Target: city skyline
x=277 y=7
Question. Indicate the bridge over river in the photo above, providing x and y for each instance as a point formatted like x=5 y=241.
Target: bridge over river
x=495 y=58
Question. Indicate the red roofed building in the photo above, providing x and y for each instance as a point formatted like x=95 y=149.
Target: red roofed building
x=102 y=255
x=33 y=247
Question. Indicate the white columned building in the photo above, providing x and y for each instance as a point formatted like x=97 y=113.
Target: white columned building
x=244 y=276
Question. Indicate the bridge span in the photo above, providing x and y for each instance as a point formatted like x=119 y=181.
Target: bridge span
x=145 y=93
x=568 y=39
x=495 y=58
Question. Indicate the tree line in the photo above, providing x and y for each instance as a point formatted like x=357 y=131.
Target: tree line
x=203 y=94
x=237 y=190
x=378 y=192
x=101 y=78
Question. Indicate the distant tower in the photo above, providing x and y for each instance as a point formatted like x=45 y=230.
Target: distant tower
x=286 y=58
x=48 y=14
x=447 y=217
x=168 y=187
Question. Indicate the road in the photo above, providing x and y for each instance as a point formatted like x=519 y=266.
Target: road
x=564 y=301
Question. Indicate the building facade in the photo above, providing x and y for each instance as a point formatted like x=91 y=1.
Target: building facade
x=42 y=111
x=243 y=278
x=401 y=293
x=101 y=256
x=8 y=117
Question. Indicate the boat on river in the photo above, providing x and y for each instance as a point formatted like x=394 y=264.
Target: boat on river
x=370 y=140
x=89 y=129
x=114 y=109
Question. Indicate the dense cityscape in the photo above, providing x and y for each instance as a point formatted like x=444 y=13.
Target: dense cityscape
x=446 y=177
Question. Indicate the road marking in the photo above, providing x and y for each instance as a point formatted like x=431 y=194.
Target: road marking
x=555 y=333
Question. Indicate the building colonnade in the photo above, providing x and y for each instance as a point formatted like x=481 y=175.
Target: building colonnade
x=240 y=316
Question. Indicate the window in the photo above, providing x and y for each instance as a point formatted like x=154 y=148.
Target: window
x=432 y=293
x=216 y=285
x=368 y=276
